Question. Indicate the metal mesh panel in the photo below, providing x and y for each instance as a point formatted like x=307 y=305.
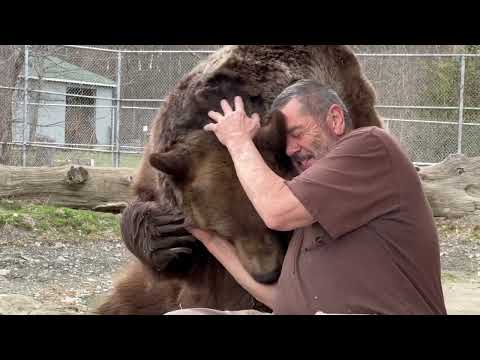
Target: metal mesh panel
x=147 y=79
x=419 y=98
x=471 y=119
x=409 y=81
x=73 y=114
x=98 y=158
x=11 y=155
x=130 y=160
x=425 y=142
x=153 y=75
x=135 y=124
x=471 y=140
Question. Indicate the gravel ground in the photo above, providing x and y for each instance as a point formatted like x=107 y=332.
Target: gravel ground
x=71 y=276
x=460 y=245
x=67 y=275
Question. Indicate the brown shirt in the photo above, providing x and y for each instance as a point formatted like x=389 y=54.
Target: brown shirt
x=374 y=248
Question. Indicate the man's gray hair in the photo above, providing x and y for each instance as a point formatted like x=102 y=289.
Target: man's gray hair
x=315 y=98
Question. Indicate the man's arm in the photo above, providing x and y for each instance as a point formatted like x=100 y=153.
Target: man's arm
x=275 y=203
x=268 y=192
x=224 y=252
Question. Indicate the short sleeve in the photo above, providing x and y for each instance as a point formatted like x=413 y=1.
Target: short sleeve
x=352 y=185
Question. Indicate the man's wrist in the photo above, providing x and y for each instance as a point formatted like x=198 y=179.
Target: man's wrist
x=238 y=144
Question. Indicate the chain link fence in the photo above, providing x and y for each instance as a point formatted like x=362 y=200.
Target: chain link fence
x=83 y=105
x=430 y=102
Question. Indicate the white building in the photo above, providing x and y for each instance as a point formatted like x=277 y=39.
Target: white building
x=55 y=115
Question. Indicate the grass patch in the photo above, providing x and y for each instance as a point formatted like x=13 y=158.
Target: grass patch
x=51 y=222
x=476 y=233
x=464 y=228
x=10 y=205
x=449 y=277
x=448 y=229
x=15 y=219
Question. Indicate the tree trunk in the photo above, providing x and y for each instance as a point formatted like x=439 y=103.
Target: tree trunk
x=452 y=187
x=102 y=189
x=12 y=60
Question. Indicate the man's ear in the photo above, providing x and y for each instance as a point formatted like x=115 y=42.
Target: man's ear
x=175 y=162
x=336 y=120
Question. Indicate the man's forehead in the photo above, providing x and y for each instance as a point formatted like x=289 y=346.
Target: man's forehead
x=293 y=107
x=295 y=120
x=294 y=123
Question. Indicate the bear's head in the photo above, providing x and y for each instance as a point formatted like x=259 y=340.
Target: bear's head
x=206 y=187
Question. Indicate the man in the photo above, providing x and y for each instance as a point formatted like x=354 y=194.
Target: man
x=364 y=238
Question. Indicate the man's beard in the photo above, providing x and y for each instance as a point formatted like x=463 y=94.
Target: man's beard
x=302 y=160
x=305 y=158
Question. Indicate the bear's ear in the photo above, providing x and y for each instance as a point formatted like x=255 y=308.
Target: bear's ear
x=273 y=136
x=174 y=162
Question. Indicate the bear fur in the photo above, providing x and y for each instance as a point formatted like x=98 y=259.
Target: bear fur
x=187 y=168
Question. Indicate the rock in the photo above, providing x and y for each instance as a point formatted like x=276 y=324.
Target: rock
x=117 y=207
x=58 y=245
x=14 y=304
x=69 y=300
x=4 y=272
x=28 y=258
x=48 y=311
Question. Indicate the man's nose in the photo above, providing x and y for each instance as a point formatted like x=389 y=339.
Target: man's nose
x=292 y=147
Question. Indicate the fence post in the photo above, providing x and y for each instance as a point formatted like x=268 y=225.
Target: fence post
x=25 y=107
x=460 y=108
x=117 y=117
x=113 y=113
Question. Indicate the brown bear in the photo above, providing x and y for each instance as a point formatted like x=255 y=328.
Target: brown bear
x=187 y=171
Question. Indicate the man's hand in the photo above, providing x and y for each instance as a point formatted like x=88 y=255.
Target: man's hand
x=234 y=126
x=210 y=240
x=225 y=253
x=204 y=236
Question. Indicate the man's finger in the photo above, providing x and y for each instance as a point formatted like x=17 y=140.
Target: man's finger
x=239 y=104
x=200 y=234
x=225 y=107
x=255 y=117
x=215 y=116
x=210 y=127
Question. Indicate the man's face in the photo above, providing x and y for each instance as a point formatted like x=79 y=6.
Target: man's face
x=307 y=141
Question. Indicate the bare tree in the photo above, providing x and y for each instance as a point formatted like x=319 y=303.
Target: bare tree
x=11 y=63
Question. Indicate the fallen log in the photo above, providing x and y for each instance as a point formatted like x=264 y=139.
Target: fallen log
x=79 y=187
x=452 y=187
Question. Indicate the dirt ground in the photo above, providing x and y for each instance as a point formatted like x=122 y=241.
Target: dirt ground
x=72 y=276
